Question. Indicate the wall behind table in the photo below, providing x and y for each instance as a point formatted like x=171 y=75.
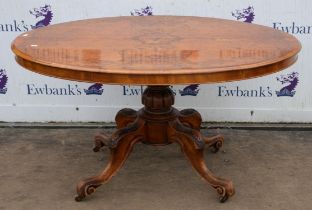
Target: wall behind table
x=29 y=97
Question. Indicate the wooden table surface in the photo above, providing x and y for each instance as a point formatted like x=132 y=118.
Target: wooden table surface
x=155 y=50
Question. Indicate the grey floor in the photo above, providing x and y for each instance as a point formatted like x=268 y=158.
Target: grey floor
x=39 y=169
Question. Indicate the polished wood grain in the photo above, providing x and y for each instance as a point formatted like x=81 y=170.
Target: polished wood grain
x=155 y=50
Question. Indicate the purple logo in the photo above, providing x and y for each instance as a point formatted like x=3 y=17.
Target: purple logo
x=246 y=15
x=95 y=89
x=3 y=81
x=44 y=12
x=190 y=90
x=147 y=11
x=291 y=81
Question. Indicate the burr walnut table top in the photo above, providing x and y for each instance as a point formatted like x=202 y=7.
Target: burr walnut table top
x=155 y=50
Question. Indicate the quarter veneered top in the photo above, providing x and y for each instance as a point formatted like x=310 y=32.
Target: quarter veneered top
x=155 y=50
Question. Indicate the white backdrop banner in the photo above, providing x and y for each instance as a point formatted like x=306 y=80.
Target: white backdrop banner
x=29 y=97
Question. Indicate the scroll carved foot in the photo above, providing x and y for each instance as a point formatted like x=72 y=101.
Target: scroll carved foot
x=119 y=154
x=215 y=142
x=100 y=140
x=194 y=154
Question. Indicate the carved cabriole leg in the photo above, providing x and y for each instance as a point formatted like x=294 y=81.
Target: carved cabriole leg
x=191 y=144
x=123 y=118
x=120 y=150
x=215 y=142
x=177 y=128
x=100 y=140
x=191 y=118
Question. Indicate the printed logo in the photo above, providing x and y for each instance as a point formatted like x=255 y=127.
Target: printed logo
x=291 y=81
x=138 y=90
x=261 y=92
x=20 y=25
x=15 y=26
x=147 y=11
x=3 y=81
x=42 y=12
x=190 y=90
x=132 y=90
x=69 y=90
x=95 y=89
x=293 y=28
x=246 y=15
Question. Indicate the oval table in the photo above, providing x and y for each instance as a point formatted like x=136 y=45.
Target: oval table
x=157 y=51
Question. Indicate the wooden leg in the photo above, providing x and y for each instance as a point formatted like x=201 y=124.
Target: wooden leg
x=194 y=153
x=100 y=140
x=123 y=118
x=191 y=118
x=215 y=142
x=120 y=150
